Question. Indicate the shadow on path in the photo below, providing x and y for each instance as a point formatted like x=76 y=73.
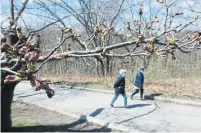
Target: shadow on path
x=137 y=105
x=156 y=106
x=31 y=95
x=133 y=106
x=96 y=112
x=152 y=96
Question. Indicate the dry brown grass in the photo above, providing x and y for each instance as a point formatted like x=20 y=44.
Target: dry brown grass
x=86 y=81
x=173 y=87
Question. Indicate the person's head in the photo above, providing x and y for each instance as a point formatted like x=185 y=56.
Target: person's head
x=122 y=72
x=141 y=69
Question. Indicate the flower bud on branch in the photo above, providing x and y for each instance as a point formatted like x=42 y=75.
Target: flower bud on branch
x=11 y=78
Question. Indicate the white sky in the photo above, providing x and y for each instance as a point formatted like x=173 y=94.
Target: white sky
x=157 y=9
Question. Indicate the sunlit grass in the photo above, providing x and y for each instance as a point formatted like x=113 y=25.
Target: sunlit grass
x=160 y=82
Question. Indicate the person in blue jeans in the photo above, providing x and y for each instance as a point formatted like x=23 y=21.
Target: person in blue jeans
x=139 y=82
x=119 y=87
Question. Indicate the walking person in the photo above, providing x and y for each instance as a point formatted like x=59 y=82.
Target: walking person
x=119 y=87
x=139 y=82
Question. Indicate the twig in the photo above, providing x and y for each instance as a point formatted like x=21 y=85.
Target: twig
x=42 y=64
x=22 y=9
x=8 y=70
x=57 y=47
x=16 y=64
x=52 y=23
x=167 y=31
x=185 y=26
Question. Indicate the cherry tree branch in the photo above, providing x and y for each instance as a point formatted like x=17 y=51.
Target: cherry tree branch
x=53 y=50
x=16 y=64
x=12 y=9
x=9 y=70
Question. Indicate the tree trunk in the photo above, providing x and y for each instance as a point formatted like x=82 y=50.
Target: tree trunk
x=101 y=71
x=7 y=91
x=102 y=66
x=107 y=72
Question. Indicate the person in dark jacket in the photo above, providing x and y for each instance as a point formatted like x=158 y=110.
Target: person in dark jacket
x=139 y=82
x=119 y=87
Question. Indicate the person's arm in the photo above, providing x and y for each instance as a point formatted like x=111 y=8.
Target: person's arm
x=142 y=79
x=117 y=82
x=135 y=80
x=124 y=83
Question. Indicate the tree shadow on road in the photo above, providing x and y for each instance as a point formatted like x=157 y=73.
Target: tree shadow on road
x=19 y=93
x=133 y=106
x=156 y=106
x=152 y=96
x=96 y=112
x=31 y=95
x=137 y=105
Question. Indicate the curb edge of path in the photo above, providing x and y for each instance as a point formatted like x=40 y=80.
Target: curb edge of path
x=87 y=118
x=147 y=97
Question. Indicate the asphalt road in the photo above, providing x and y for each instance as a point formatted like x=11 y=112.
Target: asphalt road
x=145 y=116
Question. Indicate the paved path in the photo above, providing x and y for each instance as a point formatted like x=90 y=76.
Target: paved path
x=141 y=115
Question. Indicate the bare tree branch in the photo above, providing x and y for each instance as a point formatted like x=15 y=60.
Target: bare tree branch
x=10 y=71
x=50 y=24
x=12 y=9
x=22 y=9
x=113 y=19
x=53 y=50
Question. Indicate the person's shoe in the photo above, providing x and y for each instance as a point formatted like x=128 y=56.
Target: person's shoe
x=131 y=97
x=111 y=105
x=142 y=99
x=126 y=106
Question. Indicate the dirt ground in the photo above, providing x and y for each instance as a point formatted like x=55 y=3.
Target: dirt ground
x=31 y=118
